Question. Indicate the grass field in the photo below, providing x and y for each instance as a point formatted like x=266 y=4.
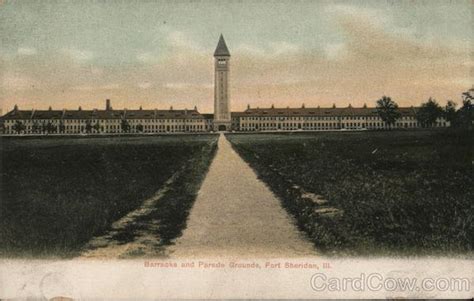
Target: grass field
x=401 y=193
x=57 y=193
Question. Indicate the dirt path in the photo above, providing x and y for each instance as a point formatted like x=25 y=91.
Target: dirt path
x=236 y=215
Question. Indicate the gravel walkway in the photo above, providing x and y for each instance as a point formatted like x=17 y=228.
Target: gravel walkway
x=236 y=215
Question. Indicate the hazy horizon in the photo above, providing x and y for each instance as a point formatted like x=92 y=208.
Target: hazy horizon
x=158 y=54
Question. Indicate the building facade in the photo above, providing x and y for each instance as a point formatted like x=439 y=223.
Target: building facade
x=323 y=119
x=110 y=121
x=106 y=121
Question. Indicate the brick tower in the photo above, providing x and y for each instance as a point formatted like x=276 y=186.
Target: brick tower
x=222 y=118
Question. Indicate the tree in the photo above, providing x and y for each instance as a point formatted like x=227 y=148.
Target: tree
x=36 y=127
x=49 y=128
x=388 y=110
x=450 y=112
x=140 y=127
x=52 y=128
x=96 y=127
x=429 y=112
x=125 y=126
x=18 y=127
x=465 y=115
x=88 y=127
x=468 y=95
x=61 y=127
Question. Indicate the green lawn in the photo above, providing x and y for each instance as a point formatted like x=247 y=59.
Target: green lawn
x=57 y=193
x=401 y=192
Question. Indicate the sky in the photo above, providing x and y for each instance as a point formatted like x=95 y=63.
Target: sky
x=158 y=54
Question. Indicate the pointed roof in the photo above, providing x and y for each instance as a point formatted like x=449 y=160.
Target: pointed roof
x=221 y=49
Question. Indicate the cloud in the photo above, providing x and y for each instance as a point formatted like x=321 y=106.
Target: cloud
x=368 y=42
x=367 y=62
x=97 y=71
x=110 y=86
x=16 y=82
x=280 y=48
x=335 y=51
x=375 y=17
x=175 y=85
x=271 y=49
x=79 y=55
x=84 y=88
x=182 y=86
x=147 y=57
x=26 y=51
x=180 y=40
x=247 y=49
x=145 y=85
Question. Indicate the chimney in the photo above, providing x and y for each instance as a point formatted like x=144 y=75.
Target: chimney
x=302 y=106
x=365 y=106
x=15 y=108
x=50 y=108
x=273 y=106
x=80 y=108
x=107 y=105
x=333 y=105
x=141 y=108
x=350 y=106
x=248 y=106
x=171 y=108
x=195 y=108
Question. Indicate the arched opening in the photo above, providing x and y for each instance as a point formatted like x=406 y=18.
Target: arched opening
x=222 y=128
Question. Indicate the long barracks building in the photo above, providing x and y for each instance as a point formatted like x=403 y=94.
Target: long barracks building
x=110 y=121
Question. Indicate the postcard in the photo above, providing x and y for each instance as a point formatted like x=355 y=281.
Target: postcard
x=204 y=149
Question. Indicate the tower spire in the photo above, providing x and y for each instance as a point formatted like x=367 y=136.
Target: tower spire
x=221 y=49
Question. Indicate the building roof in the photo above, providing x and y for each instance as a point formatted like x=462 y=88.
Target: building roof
x=208 y=116
x=16 y=114
x=102 y=114
x=347 y=111
x=108 y=114
x=46 y=114
x=221 y=49
x=163 y=114
x=78 y=114
x=237 y=114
